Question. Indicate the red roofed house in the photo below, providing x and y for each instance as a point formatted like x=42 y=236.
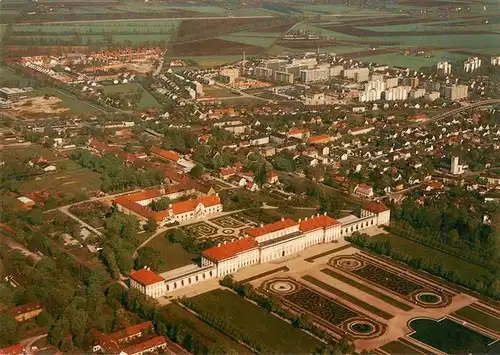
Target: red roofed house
x=376 y=208
x=319 y=139
x=272 y=177
x=26 y=311
x=137 y=204
x=135 y=340
x=300 y=133
x=166 y=154
x=148 y=282
x=226 y=173
x=12 y=350
x=363 y=190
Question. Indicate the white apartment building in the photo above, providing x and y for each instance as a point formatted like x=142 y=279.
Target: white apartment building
x=352 y=72
x=397 y=93
x=456 y=92
x=371 y=95
x=444 y=68
x=314 y=75
x=456 y=168
x=416 y=94
x=472 y=64
x=495 y=61
x=391 y=82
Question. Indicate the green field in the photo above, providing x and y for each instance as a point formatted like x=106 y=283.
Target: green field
x=479 y=317
x=146 y=100
x=466 y=270
x=74 y=105
x=348 y=297
x=138 y=31
x=412 y=62
x=195 y=326
x=209 y=61
x=397 y=348
x=367 y=289
x=260 y=41
x=173 y=255
x=258 y=324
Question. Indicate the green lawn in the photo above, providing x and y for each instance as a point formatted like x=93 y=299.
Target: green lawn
x=195 y=326
x=367 y=289
x=258 y=324
x=466 y=270
x=479 y=317
x=348 y=297
x=410 y=61
x=397 y=348
x=75 y=106
x=173 y=255
x=146 y=100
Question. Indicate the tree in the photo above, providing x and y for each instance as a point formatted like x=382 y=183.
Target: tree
x=196 y=171
x=148 y=256
x=8 y=330
x=151 y=225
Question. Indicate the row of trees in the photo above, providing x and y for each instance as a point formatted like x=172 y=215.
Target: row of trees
x=489 y=287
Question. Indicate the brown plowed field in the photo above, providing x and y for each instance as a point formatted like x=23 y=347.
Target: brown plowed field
x=361 y=32
x=425 y=3
x=213 y=46
x=19 y=51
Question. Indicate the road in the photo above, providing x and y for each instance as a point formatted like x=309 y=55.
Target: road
x=15 y=245
x=28 y=343
x=242 y=93
x=65 y=210
x=153 y=19
x=457 y=110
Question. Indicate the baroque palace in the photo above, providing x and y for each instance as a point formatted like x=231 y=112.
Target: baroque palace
x=260 y=245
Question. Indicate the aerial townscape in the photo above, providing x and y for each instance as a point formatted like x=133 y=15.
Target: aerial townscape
x=249 y=177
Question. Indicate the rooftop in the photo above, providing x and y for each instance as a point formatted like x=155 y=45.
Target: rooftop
x=317 y=222
x=24 y=308
x=229 y=250
x=190 y=205
x=272 y=227
x=167 y=154
x=375 y=207
x=146 y=277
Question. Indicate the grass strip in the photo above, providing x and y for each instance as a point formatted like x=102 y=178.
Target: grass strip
x=267 y=273
x=368 y=290
x=348 y=297
x=479 y=317
x=317 y=256
x=395 y=347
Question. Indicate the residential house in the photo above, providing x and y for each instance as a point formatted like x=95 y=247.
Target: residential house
x=364 y=190
x=26 y=311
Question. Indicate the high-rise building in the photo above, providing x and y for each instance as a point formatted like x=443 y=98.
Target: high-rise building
x=314 y=75
x=444 y=68
x=417 y=93
x=336 y=70
x=398 y=93
x=350 y=73
x=433 y=95
x=472 y=64
x=495 y=61
x=456 y=168
x=262 y=72
x=456 y=92
x=392 y=82
x=371 y=95
x=283 y=77
x=231 y=73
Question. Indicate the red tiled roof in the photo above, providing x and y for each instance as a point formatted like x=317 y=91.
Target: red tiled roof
x=146 y=277
x=144 y=195
x=146 y=345
x=375 y=207
x=102 y=147
x=296 y=130
x=229 y=250
x=141 y=210
x=27 y=307
x=133 y=330
x=7 y=228
x=167 y=154
x=318 y=138
x=12 y=350
x=226 y=171
x=190 y=205
x=272 y=227
x=317 y=222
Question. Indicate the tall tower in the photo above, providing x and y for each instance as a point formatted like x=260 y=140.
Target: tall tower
x=456 y=169
x=243 y=66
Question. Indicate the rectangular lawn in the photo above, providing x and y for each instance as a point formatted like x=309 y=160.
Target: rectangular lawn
x=260 y=325
x=479 y=317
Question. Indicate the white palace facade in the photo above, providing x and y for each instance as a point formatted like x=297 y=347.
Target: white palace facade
x=270 y=242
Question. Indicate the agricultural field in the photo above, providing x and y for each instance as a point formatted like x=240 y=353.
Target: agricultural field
x=132 y=91
x=213 y=47
x=103 y=33
x=412 y=61
x=278 y=335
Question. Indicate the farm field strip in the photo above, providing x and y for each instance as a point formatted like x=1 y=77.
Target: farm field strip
x=335 y=291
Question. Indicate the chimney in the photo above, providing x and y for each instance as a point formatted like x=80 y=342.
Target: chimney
x=306 y=218
x=324 y=213
x=300 y=220
x=218 y=244
x=232 y=240
x=225 y=242
x=282 y=218
x=262 y=224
